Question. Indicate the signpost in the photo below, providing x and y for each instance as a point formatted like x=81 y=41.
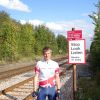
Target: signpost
x=76 y=52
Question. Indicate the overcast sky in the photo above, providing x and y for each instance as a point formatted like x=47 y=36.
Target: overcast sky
x=58 y=15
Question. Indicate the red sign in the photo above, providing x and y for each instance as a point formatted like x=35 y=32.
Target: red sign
x=75 y=34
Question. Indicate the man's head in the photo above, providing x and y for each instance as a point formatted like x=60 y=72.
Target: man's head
x=47 y=53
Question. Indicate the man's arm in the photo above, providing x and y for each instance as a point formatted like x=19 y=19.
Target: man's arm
x=57 y=81
x=35 y=82
x=58 y=86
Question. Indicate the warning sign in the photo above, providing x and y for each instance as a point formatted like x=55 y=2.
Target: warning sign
x=75 y=34
x=76 y=51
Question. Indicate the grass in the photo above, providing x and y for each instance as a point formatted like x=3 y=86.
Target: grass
x=88 y=89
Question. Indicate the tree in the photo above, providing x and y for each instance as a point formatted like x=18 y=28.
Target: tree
x=26 y=40
x=8 y=46
x=95 y=46
x=44 y=37
x=62 y=44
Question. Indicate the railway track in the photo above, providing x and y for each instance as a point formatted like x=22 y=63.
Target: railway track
x=15 y=71
x=17 y=91
x=23 y=89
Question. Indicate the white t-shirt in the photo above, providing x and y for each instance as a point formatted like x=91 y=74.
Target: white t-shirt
x=46 y=71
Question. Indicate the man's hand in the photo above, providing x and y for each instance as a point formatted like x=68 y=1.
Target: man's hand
x=58 y=94
x=34 y=95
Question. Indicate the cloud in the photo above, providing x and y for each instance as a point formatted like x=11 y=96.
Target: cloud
x=36 y=22
x=87 y=28
x=22 y=21
x=54 y=26
x=14 y=4
x=85 y=14
x=63 y=26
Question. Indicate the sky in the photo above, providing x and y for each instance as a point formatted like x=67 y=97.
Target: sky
x=59 y=16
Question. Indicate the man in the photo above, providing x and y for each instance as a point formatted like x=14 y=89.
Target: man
x=47 y=72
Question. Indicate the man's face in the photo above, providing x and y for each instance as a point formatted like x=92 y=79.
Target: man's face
x=47 y=55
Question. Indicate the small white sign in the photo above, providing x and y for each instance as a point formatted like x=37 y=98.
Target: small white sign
x=76 y=51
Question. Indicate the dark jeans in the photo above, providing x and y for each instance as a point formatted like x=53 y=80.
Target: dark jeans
x=47 y=91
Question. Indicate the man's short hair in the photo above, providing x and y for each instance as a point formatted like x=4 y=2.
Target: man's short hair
x=46 y=49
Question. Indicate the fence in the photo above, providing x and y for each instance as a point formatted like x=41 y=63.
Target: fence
x=67 y=86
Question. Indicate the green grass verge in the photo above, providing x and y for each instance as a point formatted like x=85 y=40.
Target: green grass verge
x=88 y=89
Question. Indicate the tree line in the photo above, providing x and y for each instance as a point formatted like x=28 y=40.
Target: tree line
x=25 y=40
